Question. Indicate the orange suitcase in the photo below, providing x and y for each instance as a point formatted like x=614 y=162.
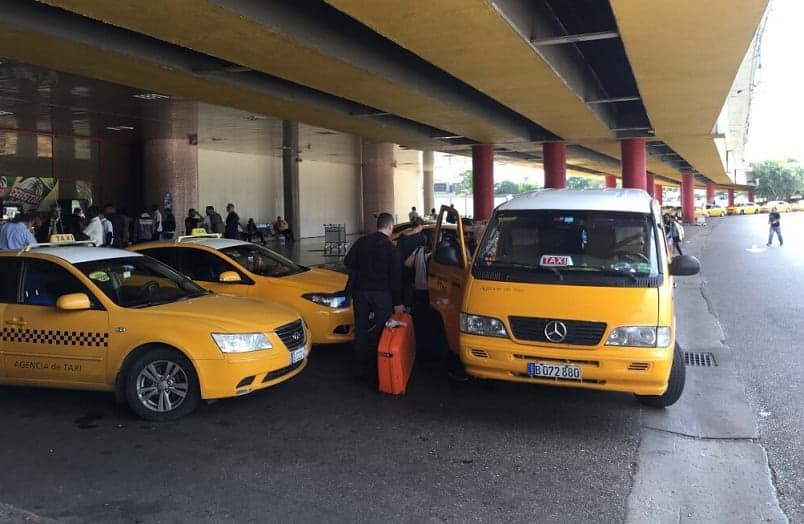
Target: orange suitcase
x=396 y=353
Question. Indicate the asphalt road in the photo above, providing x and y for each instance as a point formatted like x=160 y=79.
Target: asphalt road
x=757 y=294
x=325 y=448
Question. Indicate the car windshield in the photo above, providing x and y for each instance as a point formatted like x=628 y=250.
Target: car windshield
x=262 y=261
x=139 y=281
x=584 y=247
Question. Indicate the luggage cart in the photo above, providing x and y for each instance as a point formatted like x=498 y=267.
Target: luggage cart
x=335 y=239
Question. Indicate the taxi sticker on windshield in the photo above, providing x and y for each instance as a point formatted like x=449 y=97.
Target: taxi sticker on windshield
x=99 y=276
x=555 y=261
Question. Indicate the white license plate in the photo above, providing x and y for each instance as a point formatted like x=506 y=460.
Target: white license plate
x=296 y=356
x=562 y=371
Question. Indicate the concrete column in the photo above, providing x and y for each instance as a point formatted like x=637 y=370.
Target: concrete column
x=290 y=176
x=650 y=184
x=555 y=164
x=688 y=197
x=378 y=182
x=170 y=158
x=427 y=181
x=611 y=181
x=710 y=193
x=633 y=162
x=483 y=180
x=751 y=196
x=731 y=197
x=658 y=193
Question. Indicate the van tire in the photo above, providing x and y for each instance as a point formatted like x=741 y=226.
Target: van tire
x=675 y=384
x=183 y=379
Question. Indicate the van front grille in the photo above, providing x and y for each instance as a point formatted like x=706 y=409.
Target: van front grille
x=638 y=366
x=479 y=353
x=580 y=333
x=531 y=358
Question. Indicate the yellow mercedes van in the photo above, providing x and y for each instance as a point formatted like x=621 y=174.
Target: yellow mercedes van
x=568 y=288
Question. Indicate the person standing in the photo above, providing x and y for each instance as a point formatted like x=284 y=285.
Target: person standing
x=17 y=234
x=375 y=285
x=410 y=239
x=156 y=216
x=118 y=226
x=192 y=221
x=77 y=223
x=215 y=224
x=168 y=225
x=232 y=223
x=413 y=215
x=94 y=227
x=774 y=220
x=53 y=226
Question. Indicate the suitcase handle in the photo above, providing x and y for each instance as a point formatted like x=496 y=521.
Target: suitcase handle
x=394 y=323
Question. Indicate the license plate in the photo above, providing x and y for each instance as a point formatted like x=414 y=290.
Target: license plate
x=562 y=371
x=296 y=356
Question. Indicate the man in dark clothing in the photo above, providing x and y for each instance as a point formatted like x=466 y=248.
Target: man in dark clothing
x=118 y=226
x=232 y=223
x=375 y=284
x=54 y=225
x=775 y=229
x=409 y=240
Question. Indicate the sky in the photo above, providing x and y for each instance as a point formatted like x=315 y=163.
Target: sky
x=777 y=110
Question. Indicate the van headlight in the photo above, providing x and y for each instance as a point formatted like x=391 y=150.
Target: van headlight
x=241 y=342
x=640 y=336
x=333 y=300
x=484 y=326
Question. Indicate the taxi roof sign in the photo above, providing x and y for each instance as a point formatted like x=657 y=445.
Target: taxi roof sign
x=63 y=239
x=198 y=232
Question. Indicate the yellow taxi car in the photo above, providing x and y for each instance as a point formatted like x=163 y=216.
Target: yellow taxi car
x=714 y=210
x=780 y=205
x=81 y=317
x=743 y=208
x=567 y=288
x=242 y=268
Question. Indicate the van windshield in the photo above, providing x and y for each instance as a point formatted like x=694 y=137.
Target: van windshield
x=574 y=247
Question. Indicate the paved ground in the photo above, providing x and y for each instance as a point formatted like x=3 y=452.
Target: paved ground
x=324 y=448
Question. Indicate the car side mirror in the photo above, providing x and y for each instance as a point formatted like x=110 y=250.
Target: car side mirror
x=684 y=266
x=447 y=255
x=73 y=302
x=229 y=277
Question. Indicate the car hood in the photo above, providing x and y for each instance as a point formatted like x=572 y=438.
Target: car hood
x=227 y=313
x=317 y=280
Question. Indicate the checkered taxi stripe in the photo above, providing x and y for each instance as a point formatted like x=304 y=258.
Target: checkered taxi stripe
x=58 y=338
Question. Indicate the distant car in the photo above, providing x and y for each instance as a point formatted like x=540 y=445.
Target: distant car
x=780 y=205
x=743 y=208
x=714 y=210
x=797 y=206
x=241 y=268
x=701 y=212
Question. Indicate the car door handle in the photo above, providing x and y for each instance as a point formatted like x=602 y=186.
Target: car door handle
x=16 y=322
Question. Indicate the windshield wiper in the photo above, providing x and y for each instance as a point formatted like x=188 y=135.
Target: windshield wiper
x=614 y=272
x=508 y=265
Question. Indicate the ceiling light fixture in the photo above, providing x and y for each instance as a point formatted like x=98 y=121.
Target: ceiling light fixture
x=150 y=96
x=5 y=113
x=119 y=128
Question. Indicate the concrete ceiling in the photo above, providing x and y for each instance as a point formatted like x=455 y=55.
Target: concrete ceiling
x=407 y=71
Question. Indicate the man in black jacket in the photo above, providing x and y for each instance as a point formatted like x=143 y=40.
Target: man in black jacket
x=375 y=284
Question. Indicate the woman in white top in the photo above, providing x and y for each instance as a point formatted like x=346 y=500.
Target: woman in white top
x=94 y=229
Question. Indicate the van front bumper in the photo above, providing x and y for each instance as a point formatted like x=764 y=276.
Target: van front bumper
x=642 y=371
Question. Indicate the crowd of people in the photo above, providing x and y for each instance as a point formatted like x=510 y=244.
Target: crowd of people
x=107 y=226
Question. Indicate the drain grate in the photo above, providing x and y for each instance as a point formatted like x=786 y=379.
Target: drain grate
x=706 y=360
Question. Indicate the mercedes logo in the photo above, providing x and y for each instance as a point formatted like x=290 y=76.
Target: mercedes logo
x=555 y=331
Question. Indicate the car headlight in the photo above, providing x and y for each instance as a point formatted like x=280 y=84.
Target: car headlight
x=333 y=300
x=640 y=336
x=485 y=326
x=241 y=342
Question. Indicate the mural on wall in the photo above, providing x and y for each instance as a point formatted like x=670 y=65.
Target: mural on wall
x=37 y=193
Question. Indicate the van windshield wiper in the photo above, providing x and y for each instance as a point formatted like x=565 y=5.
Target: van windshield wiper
x=614 y=272
x=509 y=265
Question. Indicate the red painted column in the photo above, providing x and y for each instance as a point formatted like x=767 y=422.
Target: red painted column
x=657 y=193
x=611 y=181
x=555 y=164
x=688 y=197
x=650 y=184
x=633 y=161
x=731 y=197
x=483 y=180
x=710 y=193
x=751 y=196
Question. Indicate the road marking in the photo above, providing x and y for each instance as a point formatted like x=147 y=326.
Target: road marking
x=756 y=249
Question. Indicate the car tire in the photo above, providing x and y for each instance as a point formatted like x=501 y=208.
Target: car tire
x=161 y=384
x=675 y=384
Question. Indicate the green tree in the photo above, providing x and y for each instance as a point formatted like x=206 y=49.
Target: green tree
x=506 y=187
x=464 y=187
x=524 y=187
x=777 y=179
x=580 y=182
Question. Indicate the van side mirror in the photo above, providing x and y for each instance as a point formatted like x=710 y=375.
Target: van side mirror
x=447 y=254
x=73 y=302
x=684 y=265
x=229 y=277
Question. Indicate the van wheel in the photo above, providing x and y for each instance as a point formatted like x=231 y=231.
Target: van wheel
x=675 y=384
x=161 y=385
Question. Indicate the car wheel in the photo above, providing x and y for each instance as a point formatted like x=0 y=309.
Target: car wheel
x=675 y=384
x=161 y=385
